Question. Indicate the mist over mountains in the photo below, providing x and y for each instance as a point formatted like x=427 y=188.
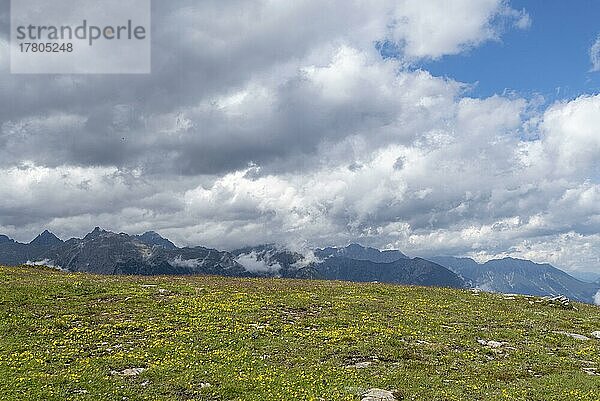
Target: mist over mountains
x=108 y=253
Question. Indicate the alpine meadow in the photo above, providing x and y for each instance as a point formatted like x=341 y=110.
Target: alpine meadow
x=299 y=200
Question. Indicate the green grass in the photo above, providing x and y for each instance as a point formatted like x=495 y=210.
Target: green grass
x=61 y=336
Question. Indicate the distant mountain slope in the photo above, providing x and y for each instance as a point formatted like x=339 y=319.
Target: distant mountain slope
x=404 y=271
x=152 y=238
x=358 y=252
x=46 y=240
x=268 y=260
x=104 y=252
x=586 y=277
x=520 y=277
x=14 y=253
x=4 y=239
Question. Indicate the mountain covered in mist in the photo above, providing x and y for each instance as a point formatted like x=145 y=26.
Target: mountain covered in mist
x=105 y=252
x=352 y=263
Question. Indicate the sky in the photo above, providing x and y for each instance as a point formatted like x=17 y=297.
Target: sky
x=551 y=58
x=467 y=128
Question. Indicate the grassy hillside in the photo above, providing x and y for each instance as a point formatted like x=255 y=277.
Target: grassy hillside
x=65 y=336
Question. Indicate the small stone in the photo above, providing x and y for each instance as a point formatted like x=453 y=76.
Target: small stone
x=376 y=394
x=596 y=334
x=131 y=372
x=560 y=301
x=205 y=385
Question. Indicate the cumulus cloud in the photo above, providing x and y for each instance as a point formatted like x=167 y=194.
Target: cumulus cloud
x=436 y=28
x=201 y=113
x=254 y=264
x=186 y=263
x=597 y=298
x=571 y=133
x=46 y=263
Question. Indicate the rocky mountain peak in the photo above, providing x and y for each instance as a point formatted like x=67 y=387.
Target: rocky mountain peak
x=96 y=233
x=47 y=240
x=152 y=238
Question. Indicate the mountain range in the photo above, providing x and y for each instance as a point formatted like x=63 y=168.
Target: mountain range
x=105 y=252
x=518 y=276
x=352 y=263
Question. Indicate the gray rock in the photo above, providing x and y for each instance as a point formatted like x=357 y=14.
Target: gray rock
x=376 y=394
x=560 y=300
x=596 y=334
x=573 y=335
x=131 y=372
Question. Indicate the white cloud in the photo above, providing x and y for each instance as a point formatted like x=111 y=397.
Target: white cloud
x=595 y=55
x=252 y=264
x=432 y=29
x=597 y=298
x=571 y=134
x=46 y=263
x=185 y=263
x=519 y=18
